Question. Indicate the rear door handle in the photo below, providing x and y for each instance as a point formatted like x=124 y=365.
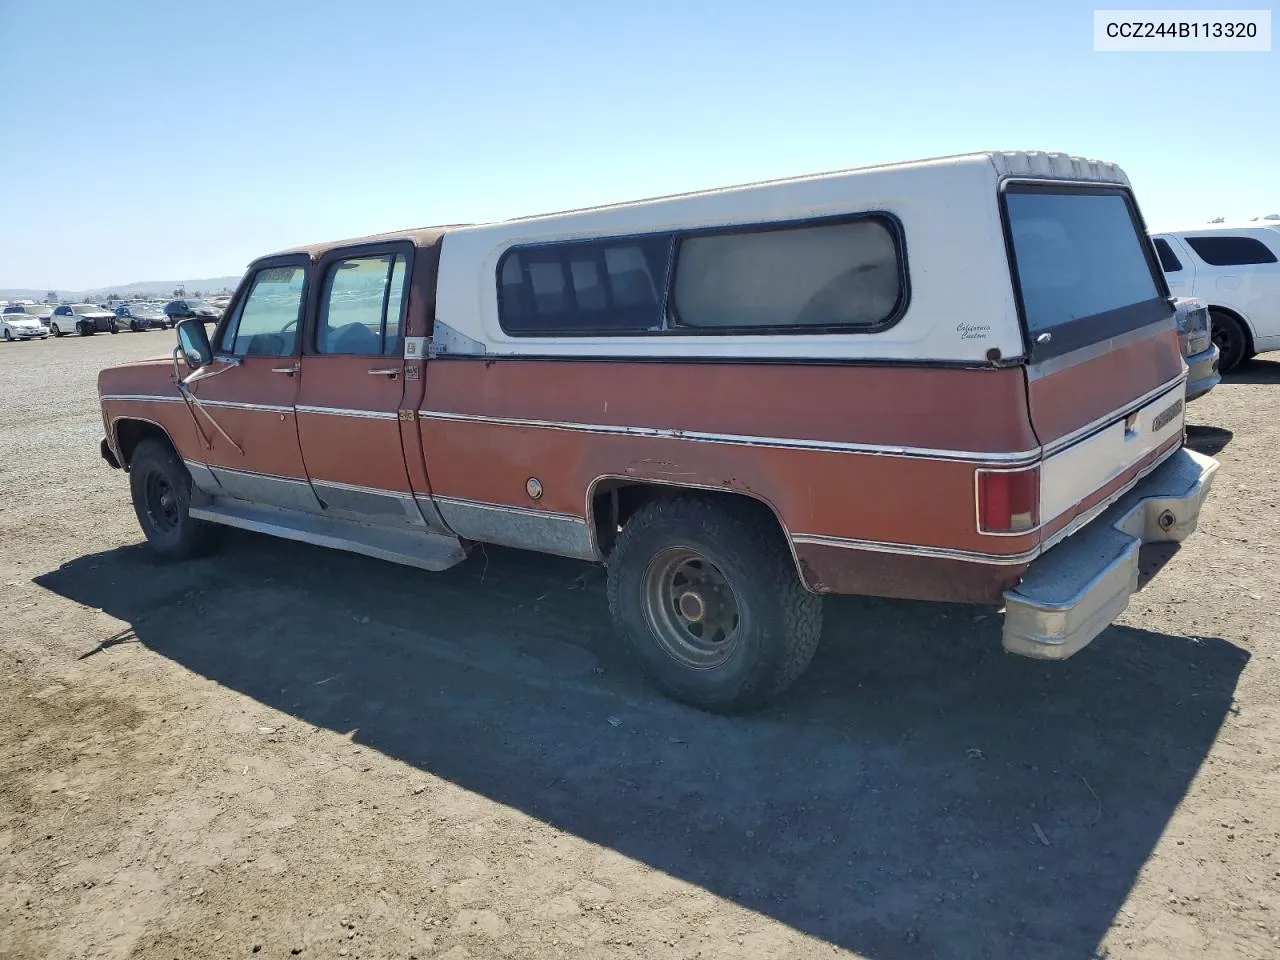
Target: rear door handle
x=391 y=372
x=290 y=371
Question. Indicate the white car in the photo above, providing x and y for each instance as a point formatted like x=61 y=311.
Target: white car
x=21 y=326
x=1235 y=269
x=85 y=319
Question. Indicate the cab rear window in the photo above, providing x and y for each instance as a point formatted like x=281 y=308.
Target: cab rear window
x=1083 y=267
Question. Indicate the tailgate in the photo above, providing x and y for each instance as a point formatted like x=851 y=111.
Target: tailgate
x=1105 y=378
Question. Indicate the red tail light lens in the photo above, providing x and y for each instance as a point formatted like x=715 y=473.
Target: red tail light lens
x=1008 y=500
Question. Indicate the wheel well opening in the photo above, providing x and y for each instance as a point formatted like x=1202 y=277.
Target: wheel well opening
x=1228 y=312
x=615 y=501
x=130 y=433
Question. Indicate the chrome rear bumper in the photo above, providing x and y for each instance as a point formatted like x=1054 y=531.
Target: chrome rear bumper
x=1073 y=592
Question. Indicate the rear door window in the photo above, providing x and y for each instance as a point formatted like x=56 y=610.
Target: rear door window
x=1084 y=270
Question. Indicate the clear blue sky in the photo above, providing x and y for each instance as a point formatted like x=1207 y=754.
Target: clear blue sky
x=172 y=140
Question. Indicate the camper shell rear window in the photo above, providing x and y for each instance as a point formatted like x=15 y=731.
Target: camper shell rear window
x=1083 y=270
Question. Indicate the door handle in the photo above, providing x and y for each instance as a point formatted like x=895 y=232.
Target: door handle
x=391 y=372
x=289 y=371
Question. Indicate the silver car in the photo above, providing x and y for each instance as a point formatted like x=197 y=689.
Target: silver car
x=1198 y=349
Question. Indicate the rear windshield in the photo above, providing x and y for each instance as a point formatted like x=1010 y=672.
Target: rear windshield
x=1083 y=266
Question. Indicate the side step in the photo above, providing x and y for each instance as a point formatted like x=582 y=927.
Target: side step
x=427 y=551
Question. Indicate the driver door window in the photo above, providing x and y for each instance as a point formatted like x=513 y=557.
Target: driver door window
x=266 y=321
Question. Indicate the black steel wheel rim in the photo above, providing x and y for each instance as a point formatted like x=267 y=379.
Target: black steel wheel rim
x=162 y=504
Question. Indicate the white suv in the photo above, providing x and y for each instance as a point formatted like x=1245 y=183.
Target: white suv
x=1235 y=268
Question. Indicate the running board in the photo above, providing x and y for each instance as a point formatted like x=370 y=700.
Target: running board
x=427 y=551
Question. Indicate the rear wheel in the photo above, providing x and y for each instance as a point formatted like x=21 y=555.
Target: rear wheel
x=707 y=596
x=1231 y=339
x=161 y=489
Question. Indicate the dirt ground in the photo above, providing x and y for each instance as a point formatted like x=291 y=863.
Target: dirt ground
x=281 y=751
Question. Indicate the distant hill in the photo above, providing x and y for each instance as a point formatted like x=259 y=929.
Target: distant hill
x=161 y=288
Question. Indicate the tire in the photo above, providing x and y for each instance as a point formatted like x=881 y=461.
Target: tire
x=161 y=489
x=750 y=629
x=8 y=336
x=1231 y=339
x=113 y=327
x=85 y=329
x=55 y=331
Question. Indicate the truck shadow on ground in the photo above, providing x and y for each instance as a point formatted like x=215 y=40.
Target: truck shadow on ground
x=918 y=794
x=1210 y=441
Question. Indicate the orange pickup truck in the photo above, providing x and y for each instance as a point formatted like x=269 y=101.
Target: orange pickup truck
x=955 y=379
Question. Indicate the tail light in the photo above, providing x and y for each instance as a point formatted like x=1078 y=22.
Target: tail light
x=1008 y=500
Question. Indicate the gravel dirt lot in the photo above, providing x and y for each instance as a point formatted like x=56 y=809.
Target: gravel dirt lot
x=281 y=751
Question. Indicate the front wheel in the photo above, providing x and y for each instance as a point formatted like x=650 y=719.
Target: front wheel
x=85 y=329
x=113 y=327
x=1232 y=341
x=55 y=331
x=8 y=336
x=707 y=596
x=161 y=489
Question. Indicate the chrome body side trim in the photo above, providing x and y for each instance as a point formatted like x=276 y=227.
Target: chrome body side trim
x=784 y=443
x=236 y=405
x=224 y=404
x=907 y=549
x=348 y=412
x=145 y=397
x=1104 y=421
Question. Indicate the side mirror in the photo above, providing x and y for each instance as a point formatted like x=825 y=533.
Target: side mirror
x=193 y=338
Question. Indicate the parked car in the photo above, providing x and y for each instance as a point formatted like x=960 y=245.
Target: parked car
x=85 y=319
x=734 y=399
x=1235 y=269
x=21 y=326
x=143 y=316
x=41 y=311
x=187 y=307
x=1198 y=349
